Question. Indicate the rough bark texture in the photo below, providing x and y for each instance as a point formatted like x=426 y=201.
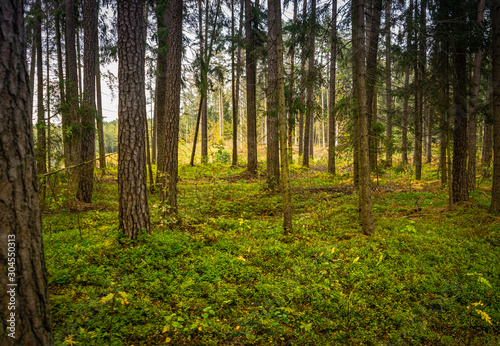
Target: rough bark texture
x=87 y=150
x=19 y=202
x=234 y=94
x=273 y=168
x=472 y=124
x=404 y=121
x=311 y=76
x=41 y=141
x=172 y=102
x=388 y=85
x=495 y=197
x=331 y=101
x=444 y=109
x=251 y=91
x=419 y=94
x=303 y=82
x=486 y=154
x=60 y=69
x=372 y=34
x=100 y=128
x=72 y=123
x=460 y=191
x=275 y=21
x=204 y=82
x=132 y=187
x=161 y=85
x=359 y=72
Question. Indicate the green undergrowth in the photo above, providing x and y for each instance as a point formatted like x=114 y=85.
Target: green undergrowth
x=225 y=273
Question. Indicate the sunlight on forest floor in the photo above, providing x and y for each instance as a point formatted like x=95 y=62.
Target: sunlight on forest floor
x=224 y=272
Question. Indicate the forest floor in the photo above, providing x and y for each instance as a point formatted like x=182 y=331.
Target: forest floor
x=225 y=273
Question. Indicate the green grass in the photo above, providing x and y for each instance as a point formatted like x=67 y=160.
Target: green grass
x=228 y=274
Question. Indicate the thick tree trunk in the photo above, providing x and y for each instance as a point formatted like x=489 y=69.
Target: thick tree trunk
x=419 y=81
x=173 y=102
x=234 y=95
x=311 y=77
x=388 y=85
x=460 y=191
x=495 y=197
x=87 y=151
x=23 y=274
x=486 y=154
x=472 y=124
x=251 y=90
x=73 y=122
x=444 y=109
x=161 y=85
x=359 y=73
x=331 y=97
x=273 y=168
x=132 y=186
x=62 y=96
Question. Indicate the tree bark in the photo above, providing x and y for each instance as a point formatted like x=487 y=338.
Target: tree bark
x=486 y=155
x=251 y=90
x=234 y=94
x=331 y=98
x=460 y=191
x=161 y=85
x=404 y=121
x=41 y=140
x=273 y=168
x=311 y=77
x=87 y=151
x=419 y=81
x=275 y=21
x=444 y=110
x=47 y=66
x=303 y=82
x=102 y=150
x=359 y=73
x=173 y=102
x=388 y=85
x=71 y=107
x=132 y=186
x=495 y=196
x=23 y=273
x=472 y=124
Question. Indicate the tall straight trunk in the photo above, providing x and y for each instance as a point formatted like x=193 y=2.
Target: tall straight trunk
x=331 y=93
x=444 y=109
x=41 y=140
x=32 y=75
x=430 y=113
x=161 y=80
x=292 y=112
x=204 y=80
x=311 y=76
x=155 y=124
x=100 y=127
x=132 y=187
x=372 y=35
x=173 y=102
x=237 y=91
x=419 y=81
x=62 y=96
x=404 y=115
x=79 y=60
x=275 y=13
x=47 y=66
x=234 y=96
x=251 y=90
x=359 y=74
x=495 y=196
x=25 y=280
x=273 y=168
x=87 y=152
x=388 y=85
x=460 y=190
x=486 y=154
x=303 y=81
x=72 y=123
x=472 y=124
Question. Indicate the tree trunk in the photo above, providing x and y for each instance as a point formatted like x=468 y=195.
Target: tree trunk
x=72 y=123
x=273 y=168
x=359 y=74
x=472 y=124
x=487 y=139
x=444 y=109
x=132 y=186
x=331 y=98
x=251 y=90
x=495 y=197
x=311 y=77
x=372 y=34
x=32 y=74
x=161 y=85
x=303 y=81
x=429 y=133
x=79 y=59
x=41 y=140
x=388 y=85
x=173 y=102
x=275 y=21
x=234 y=95
x=24 y=280
x=460 y=191
x=87 y=151
x=419 y=81
x=47 y=66
x=100 y=128
x=62 y=96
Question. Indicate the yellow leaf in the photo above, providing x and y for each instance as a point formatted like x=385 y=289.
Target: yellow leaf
x=321 y=254
x=248 y=249
x=333 y=250
x=241 y=258
x=237 y=327
x=167 y=340
x=355 y=260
